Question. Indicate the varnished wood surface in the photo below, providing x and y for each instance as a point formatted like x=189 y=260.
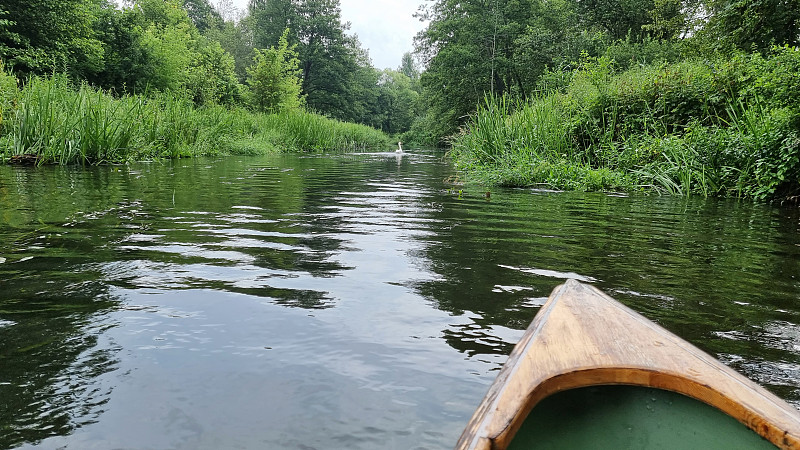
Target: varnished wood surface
x=582 y=337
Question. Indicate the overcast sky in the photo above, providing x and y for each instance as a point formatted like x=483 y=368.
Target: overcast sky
x=385 y=27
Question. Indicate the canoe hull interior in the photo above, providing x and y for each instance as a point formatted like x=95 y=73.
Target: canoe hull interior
x=620 y=417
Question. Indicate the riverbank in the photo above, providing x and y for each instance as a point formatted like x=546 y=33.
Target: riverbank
x=52 y=121
x=725 y=127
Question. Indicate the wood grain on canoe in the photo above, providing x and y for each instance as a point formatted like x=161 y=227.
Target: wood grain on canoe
x=582 y=337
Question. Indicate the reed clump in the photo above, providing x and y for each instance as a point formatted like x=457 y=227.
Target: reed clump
x=729 y=127
x=53 y=121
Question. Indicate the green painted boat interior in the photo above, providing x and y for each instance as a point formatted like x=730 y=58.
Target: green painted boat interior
x=631 y=417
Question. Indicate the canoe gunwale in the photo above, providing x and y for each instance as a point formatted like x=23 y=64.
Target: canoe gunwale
x=581 y=338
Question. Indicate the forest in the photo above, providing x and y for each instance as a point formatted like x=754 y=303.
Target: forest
x=675 y=96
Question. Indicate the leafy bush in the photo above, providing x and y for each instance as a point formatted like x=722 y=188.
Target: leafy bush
x=721 y=127
x=630 y=53
x=274 y=78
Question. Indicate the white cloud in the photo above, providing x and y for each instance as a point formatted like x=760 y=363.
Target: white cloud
x=385 y=28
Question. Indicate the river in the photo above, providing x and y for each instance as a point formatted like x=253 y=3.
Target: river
x=353 y=301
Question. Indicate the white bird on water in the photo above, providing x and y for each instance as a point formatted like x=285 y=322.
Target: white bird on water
x=399 y=148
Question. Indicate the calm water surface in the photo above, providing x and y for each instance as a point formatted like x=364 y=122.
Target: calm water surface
x=340 y=301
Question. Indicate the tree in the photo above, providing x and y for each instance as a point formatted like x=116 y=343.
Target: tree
x=153 y=45
x=41 y=36
x=365 y=92
x=269 y=19
x=328 y=58
x=228 y=11
x=669 y=18
x=169 y=38
x=236 y=39
x=212 y=76
x=396 y=102
x=408 y=67
x=474 y=47
x=8 y=37
x=274 y=78
x=751 y=24
x=553 y=39
x=128 y=64
x=202 y=14
x=332 y=63
x=468 y=49
x=617 y=17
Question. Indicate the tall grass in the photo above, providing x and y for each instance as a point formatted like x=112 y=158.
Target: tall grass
x=725 y=128
x=59 y=123
x=303 y=131
x=515 y=143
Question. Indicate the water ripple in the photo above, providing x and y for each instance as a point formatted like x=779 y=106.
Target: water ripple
x=551 y=273
x=366 y=300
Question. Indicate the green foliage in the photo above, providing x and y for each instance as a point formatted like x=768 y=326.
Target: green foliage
x=294 y=130
x=750 y=24
x=774 y=79
x=639 y=18
x=668 y=19
x=364 y=92
x=178 y=55
x=728 y=127
x=408 y=67
x=755 y=156
x=396 y=102
x=549 y=57
x=274 y=78
x=8 y=37
x=186 y=48
x=424 y=132
x=525 y=47
x=59 y=124
x=62 y=125
x=269 y=18
x=169 y=39
x=234 y=37
x=154 y=46
x=8 y=93
x=469 y=49
x=332 y=63
x=202 y=14
x=629 y=53
x=39 y=36
x=522 y=47
x=212 y=76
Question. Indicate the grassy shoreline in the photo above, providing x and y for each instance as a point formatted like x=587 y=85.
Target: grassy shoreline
x=729 y=127
x=55 y=122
